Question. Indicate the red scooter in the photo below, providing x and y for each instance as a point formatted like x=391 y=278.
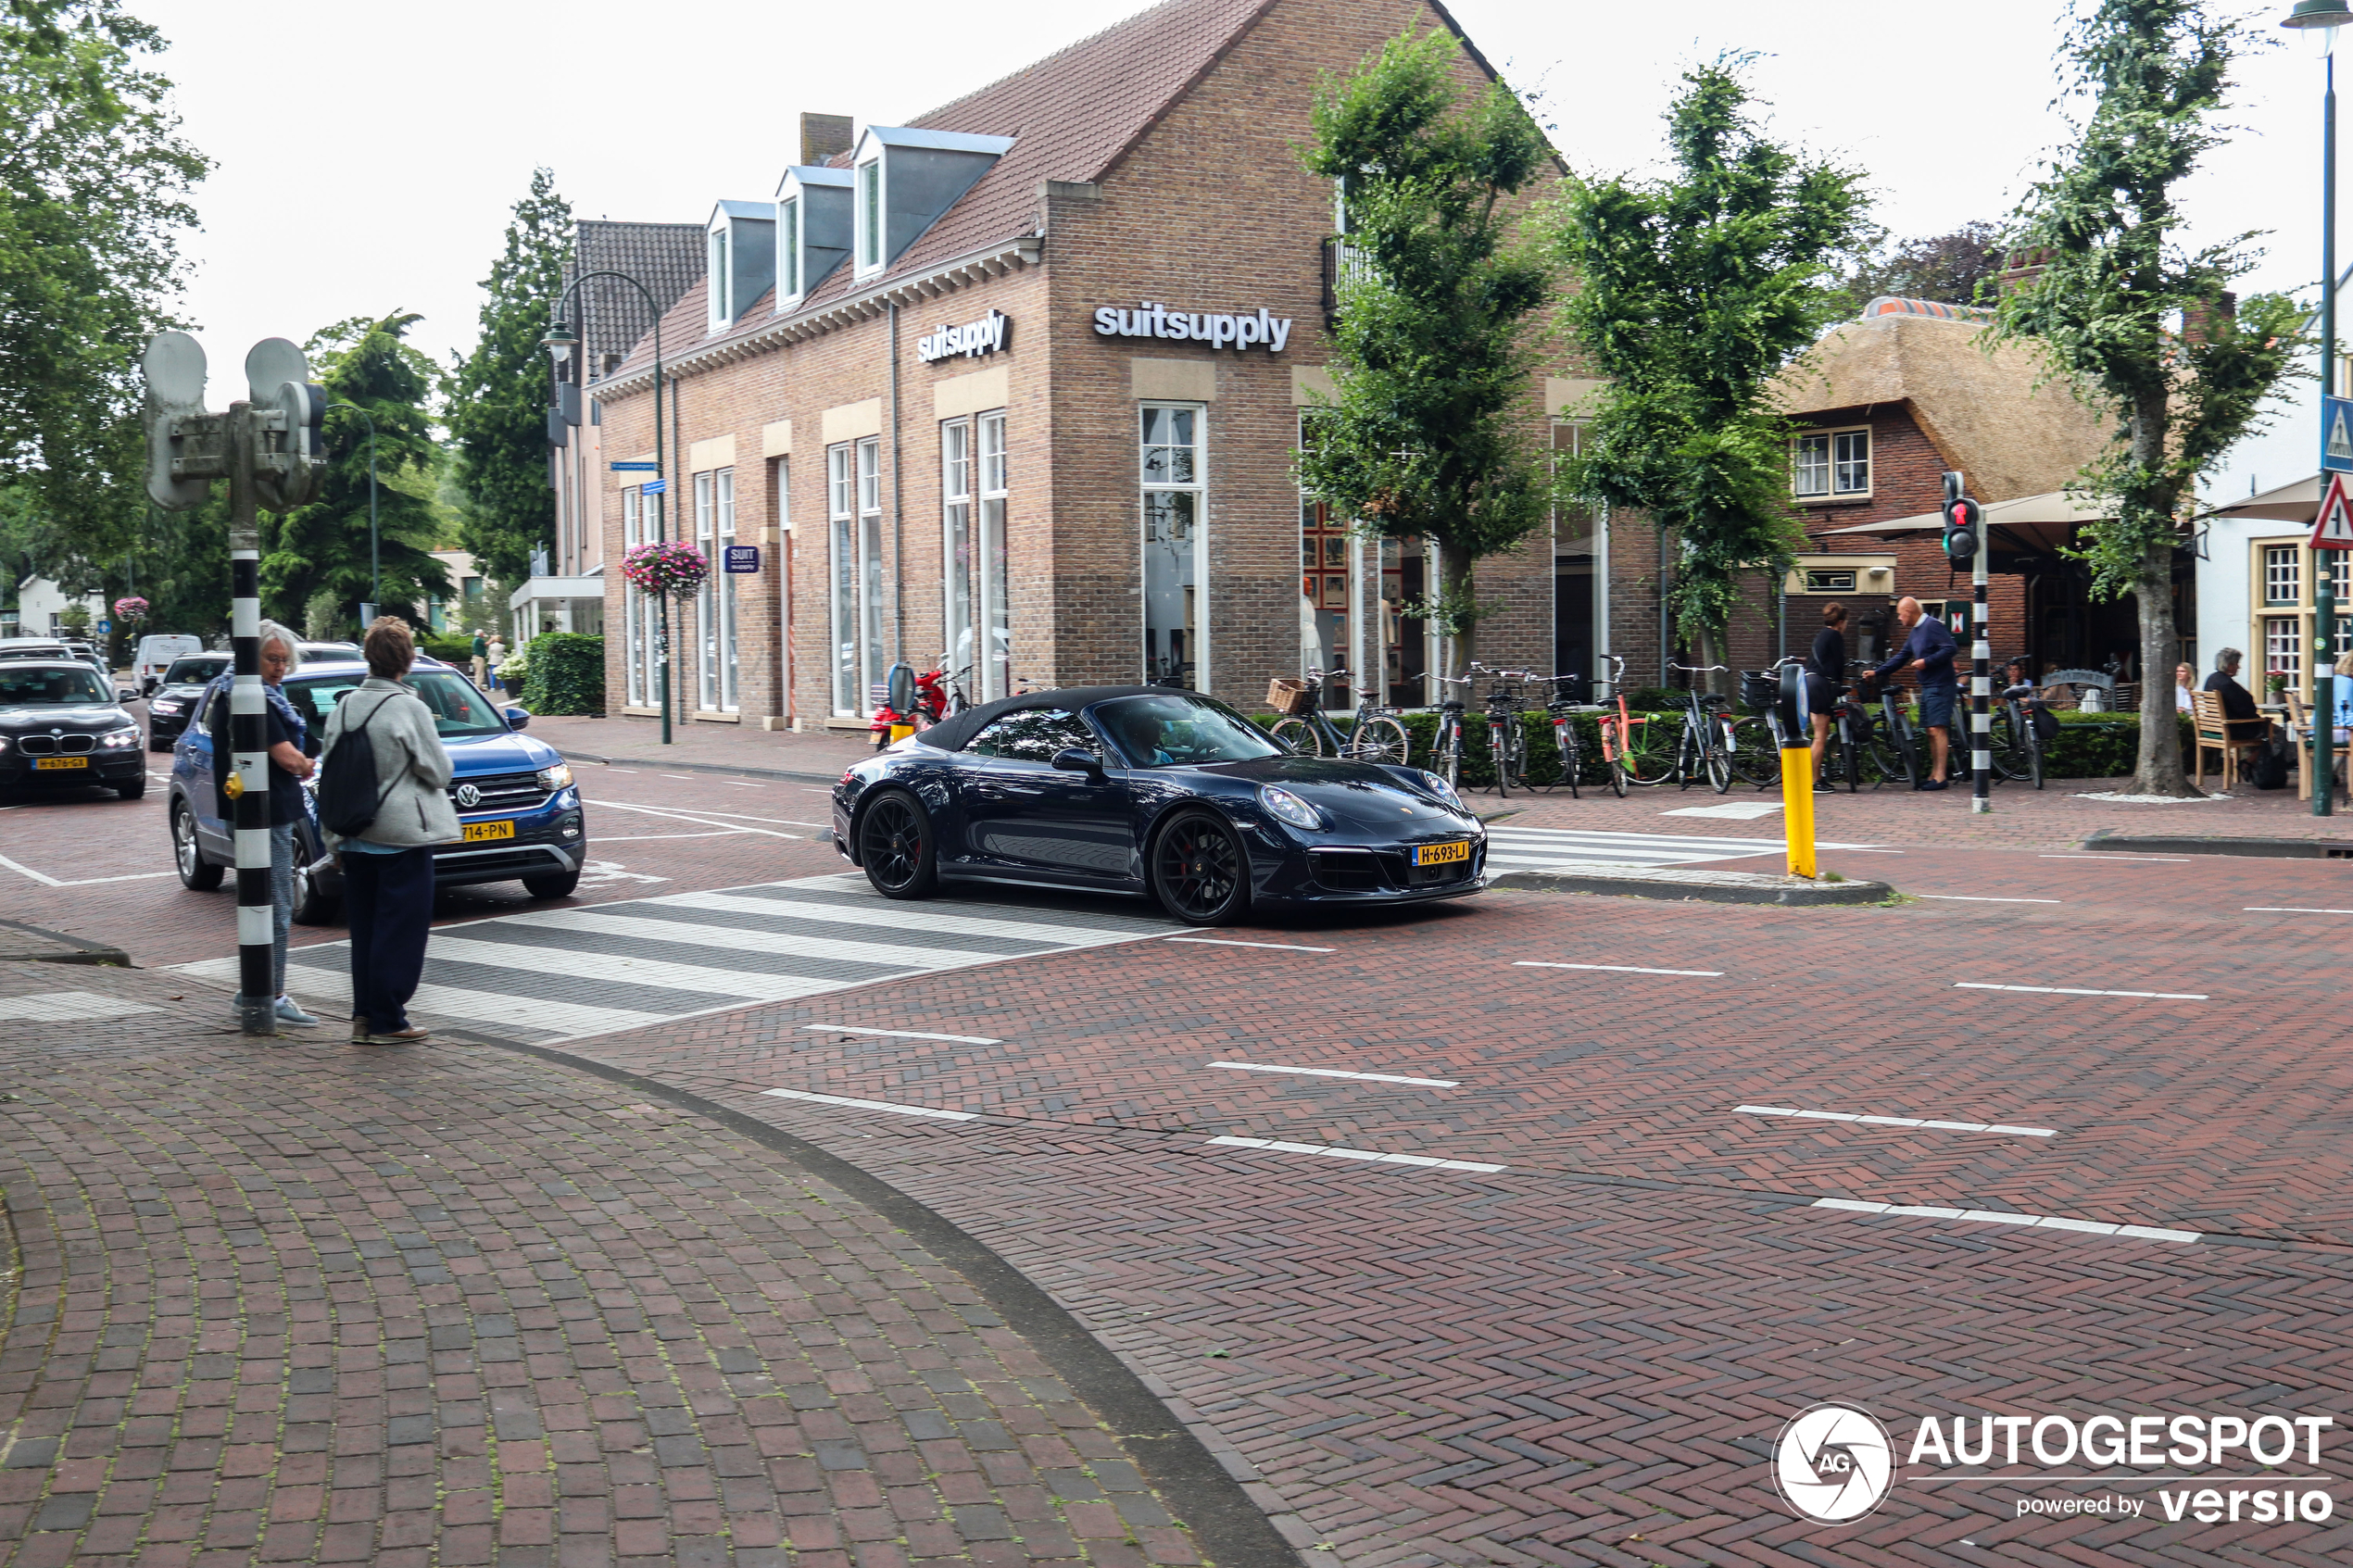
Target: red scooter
x=916 y=702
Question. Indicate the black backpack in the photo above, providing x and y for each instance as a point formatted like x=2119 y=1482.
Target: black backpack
x=2270 y=769
x=348 y=796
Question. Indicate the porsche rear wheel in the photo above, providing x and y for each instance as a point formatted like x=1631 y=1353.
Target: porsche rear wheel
x=895 y=846
x=1201 y=872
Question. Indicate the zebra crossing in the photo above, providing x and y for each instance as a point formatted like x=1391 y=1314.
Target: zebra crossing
x=1549 y=849
x=554 y=974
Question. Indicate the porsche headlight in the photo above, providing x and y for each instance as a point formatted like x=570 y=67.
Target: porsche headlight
x=1443 y=790
x=1284 y=806
x=555 y=778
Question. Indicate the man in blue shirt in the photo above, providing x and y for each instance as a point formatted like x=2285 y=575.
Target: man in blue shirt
x=1929 y=651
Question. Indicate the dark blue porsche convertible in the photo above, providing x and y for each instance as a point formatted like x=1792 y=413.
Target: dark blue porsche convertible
x=1155 y=791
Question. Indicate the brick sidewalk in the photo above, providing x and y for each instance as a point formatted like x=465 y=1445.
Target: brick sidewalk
x=307 y=1303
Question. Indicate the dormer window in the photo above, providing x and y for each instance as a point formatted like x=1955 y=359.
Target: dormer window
x=788 y=250
x=741 y=253
x=815 y=228
x=907 y=179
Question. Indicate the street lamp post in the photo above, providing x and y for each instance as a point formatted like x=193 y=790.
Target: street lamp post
x=375 y=564
x=559 y=343
x=2326 y=15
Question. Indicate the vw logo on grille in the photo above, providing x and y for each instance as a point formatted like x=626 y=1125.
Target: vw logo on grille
x=468 y=795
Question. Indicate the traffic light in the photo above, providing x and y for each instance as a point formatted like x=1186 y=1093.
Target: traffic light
x=177 y=424
x=292 y=446
x=1961 y=530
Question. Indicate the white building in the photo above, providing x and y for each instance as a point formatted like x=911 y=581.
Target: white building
x=2255 y=585
x=41 y=607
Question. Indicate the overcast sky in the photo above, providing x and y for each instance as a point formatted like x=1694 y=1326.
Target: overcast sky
x=368 y=154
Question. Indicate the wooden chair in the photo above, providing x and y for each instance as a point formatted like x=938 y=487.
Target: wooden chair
x=2299 y=734
x=2211 y=732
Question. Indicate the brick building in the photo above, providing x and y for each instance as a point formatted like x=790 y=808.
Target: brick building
x=1023 y=380
x=1884 y=406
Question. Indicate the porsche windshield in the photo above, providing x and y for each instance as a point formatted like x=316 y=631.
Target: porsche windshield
x=1179 y=729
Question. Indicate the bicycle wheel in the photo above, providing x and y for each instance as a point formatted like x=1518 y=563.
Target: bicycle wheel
x=1300 y=736
x=1498 y=752
x=1564 y=747
x=1515 y=736
x=1614 y=752
x=1754 y=755
x=1716 y=754
x=1846 y=754
x=1380 y=740
x=1448 y=757
x=1646 y=759
x=2007 y=746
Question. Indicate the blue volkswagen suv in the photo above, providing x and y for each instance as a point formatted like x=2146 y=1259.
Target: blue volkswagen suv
x=514 y=794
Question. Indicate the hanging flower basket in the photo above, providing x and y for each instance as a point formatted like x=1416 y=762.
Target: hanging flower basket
x=666 y=568
x=131 y=611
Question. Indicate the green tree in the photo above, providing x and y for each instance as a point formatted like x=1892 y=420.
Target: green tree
x=1694 y=292
x=2107 y=226
x=499 y=393
x=315 y=561
x=1952 y=268
x=93 y=185
x=1429 y=435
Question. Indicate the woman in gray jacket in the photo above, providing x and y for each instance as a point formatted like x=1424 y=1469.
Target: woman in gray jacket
x=387 y=869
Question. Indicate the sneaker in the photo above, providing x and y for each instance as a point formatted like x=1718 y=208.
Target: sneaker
x=290 y=1011
x=409 y=1036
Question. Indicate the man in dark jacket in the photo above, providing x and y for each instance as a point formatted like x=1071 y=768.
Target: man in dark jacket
x=2247 y=722
x=1928 y=652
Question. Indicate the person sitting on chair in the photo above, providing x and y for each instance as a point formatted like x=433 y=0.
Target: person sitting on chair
x=2245 y=721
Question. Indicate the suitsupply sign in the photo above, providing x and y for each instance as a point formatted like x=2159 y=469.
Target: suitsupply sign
x=1223 y=329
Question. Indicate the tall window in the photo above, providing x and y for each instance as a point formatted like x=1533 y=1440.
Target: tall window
x=720 y=313
x=1831 y=465
x=640 y=523
x=789 y=249
x=870 y=225
x=854 y=495
x=2284 y=647
x=1172 y=475
x=972 y=465
x=2282 y=582
x=715 y=600
x=632 y=649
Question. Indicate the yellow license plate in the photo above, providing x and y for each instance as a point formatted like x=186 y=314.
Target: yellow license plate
x=477 y=832
x=46 y=764
x=1442 y=854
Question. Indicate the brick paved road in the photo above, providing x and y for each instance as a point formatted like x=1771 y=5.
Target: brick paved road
x=308 y=1303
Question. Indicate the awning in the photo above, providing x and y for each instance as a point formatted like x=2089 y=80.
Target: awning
x=2031 y=525
x=541 y=590
x=2298 y=502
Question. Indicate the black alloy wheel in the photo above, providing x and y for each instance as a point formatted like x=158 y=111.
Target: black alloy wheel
x=895 y=848
x=1201 y=873
x=196 y=873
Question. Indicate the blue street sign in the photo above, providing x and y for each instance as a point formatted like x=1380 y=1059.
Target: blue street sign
x=105 y=627
x=743 y=557
x=637 y=468
x=2336 y=434
x=654 y=487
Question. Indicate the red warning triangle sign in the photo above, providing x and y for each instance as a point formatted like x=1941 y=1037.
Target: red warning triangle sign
x=2332 y=530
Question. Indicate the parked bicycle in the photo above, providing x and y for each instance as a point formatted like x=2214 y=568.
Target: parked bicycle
x=2017 y=735
x=1756 y=738
x=1563 y=708
x=1506 y=733
x=1375 y=735
x=1887 y=740
x=1630 y=743
x=1705 y=749
x=1446 y=746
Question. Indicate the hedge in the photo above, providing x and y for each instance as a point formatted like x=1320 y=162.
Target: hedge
x=458 y=651
x=565 y=674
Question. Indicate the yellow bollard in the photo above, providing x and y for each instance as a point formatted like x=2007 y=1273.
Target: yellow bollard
x=1798 y=809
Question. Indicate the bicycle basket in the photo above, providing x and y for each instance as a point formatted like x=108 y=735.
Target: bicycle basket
x=1290 y=697
x=1759 y=689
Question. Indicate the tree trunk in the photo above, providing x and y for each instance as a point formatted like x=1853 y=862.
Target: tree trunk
x=1712 y=642
x=1455 y=568
x=2159 y=770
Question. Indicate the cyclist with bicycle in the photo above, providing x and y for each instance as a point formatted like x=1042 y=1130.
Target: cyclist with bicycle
x=1825 y=669
x=1929 y=650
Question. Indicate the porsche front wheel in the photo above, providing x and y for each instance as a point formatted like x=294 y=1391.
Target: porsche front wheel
x=896 y=847
x=1201 y=872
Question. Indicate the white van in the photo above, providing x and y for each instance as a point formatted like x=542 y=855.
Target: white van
x=155 y=653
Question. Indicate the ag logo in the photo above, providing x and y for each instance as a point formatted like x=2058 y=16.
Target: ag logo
x=1832 y=1464
x=468 y=795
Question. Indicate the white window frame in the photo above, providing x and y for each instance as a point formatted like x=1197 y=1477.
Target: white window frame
x=1198 y=488
x=716 y=651
x=1833 y=445
x=719 y=267
x=2282 y=566
x=853 y=537
x=730 y=652
x=976 y=482
x=868 y=206
x=2284 y=649
x=788 y=252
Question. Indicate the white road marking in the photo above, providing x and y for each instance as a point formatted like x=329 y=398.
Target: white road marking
x=28 y=870
x=70 y=1007
x=711 y=811
x=1999 y=1217
x=1974 y=898
x=679 y=777
x=1221 y=942
x=625 y=770
x=1333 y=1152
x=1898 y=1120
x=47 y=881
x=1615 y=968
x=649 y=838
x=2079 y=991
x=902 y=1034
x=2268 y=909
x=743 y=783
x=1732 y=810
x=1336 y=1072
x=874 y=1105
x=2153 y=859
x=688 y=816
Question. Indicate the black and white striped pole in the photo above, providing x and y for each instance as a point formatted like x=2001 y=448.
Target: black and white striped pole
x=1965 y=541
x=267 y=447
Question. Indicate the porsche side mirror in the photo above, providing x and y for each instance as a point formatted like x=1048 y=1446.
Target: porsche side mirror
x=1078 y=759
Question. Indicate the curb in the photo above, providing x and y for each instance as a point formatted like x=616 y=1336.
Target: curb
x=2270 y=848
x=78 y=949
x=1707 y=887
x=787 y=774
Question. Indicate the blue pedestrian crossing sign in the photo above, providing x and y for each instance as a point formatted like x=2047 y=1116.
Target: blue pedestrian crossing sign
x=2337 y=434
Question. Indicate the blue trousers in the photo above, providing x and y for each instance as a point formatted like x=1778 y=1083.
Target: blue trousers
x=388 y=903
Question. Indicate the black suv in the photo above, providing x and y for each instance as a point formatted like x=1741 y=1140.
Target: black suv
x=59 y=724
x=177 y=695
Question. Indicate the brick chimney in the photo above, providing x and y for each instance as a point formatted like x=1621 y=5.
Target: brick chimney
x=825 y=137
x=2020 y=269
x=2196 y=318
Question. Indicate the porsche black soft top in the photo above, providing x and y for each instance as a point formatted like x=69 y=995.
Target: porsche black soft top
x=952 y=732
